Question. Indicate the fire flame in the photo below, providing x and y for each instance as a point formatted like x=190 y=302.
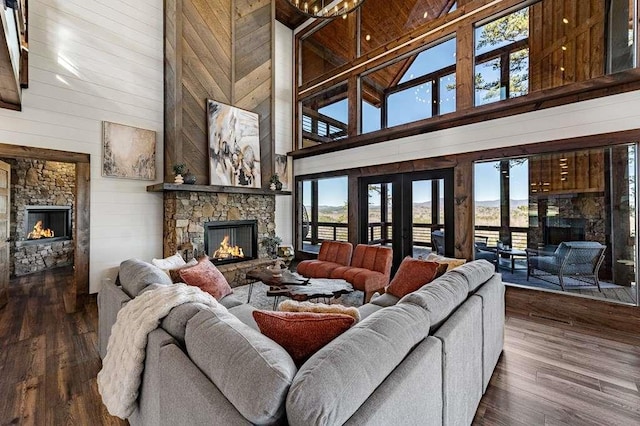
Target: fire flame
x=38 y=232
x=226 y=251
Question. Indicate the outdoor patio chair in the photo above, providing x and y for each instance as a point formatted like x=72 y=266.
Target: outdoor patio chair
x=437 y=239
x=576 y=259
x=483 y=252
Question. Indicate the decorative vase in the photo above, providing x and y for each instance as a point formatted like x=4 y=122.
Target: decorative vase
x=179 y=180
x=272 y=186
x=189 y=178
x=279 y=186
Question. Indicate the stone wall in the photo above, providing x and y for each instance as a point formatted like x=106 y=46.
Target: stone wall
x=47 y=183
x=185 y=214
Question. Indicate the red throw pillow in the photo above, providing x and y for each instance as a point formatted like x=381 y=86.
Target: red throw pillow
x=411 y=275
x=301 y=334
x=206 y=276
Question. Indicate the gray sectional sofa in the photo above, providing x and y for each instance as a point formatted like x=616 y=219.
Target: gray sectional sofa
x=424 y=359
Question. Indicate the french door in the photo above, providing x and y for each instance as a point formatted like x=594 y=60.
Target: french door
x=403 y=211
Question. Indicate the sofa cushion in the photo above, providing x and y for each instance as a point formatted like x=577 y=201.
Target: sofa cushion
x=244 y=313
x=174 y=273
x=451 y=262
x=440 y=298
x=176 y=322
x=340 y=377
x=302 y=334
x=319 y=308
x=230 y=301
x=252 y=371
x=411 y=275
x=475 y=273
x=336 y=252
x=206 y=276
x=368 y=309
x=374 y=258
x=170 y=262
x=385 y=300
x=316 y=268
x=135 y=275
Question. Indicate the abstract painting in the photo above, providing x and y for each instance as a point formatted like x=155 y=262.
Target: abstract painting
x=234 y=146
x=128 y=152
x=283 y=170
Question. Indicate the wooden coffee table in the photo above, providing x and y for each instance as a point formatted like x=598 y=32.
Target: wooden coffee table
x=298 y=287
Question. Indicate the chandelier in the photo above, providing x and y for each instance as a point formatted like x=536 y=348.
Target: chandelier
x=326 y=9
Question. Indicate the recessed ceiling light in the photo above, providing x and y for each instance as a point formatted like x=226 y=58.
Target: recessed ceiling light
x=562 y=69
x=564 y=47
x=368 y=37
x=565 y=20
x=424 y=16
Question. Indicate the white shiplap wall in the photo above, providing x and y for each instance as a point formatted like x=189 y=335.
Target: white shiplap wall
x=283 y=90
x=89 y=61
x=608 y=114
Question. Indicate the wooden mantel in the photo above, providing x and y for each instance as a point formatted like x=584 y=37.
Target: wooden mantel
x=164 y=187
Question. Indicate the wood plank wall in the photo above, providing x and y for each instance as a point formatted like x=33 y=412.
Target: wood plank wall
x=566 y=42
x=220 y=50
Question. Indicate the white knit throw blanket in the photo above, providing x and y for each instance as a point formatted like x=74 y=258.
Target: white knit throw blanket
x=121 y=373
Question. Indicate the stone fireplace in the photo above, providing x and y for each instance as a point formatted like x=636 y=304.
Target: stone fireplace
x=188 y=215
x=41 y=191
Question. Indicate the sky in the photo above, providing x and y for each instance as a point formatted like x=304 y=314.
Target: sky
x=333 y=191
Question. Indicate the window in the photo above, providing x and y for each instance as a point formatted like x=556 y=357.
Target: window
x=325 y=116
x=502 y=58
x=324 y=212
x=418 y=86
x=553 y=203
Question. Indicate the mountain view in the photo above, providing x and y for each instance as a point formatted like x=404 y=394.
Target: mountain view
x=487 y=213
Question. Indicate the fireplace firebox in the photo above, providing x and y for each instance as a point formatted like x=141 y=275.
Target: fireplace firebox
x=231 y=241
x=558 y=230
x=47 y=223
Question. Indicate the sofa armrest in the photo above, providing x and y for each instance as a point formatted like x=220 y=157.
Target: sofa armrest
x=111 y=299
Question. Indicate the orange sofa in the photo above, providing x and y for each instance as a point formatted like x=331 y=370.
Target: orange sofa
x=333 y=254
x=369 y=269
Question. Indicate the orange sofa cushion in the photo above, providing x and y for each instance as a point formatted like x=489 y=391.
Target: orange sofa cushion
x=374 y=258
x=411 y=275
x=333 y=254
x=336 y=252
x=302 y=334
x=206 y=276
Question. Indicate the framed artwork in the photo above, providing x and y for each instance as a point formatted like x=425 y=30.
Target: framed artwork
x=128 y=152
x=283 y=169
x=234 y=146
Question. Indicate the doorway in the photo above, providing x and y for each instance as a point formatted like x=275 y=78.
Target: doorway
x=79 y=285
x=410 y=212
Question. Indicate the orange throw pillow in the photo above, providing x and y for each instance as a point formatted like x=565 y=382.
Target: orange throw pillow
x=301 y=334
x=206 y=276
x=411 y=275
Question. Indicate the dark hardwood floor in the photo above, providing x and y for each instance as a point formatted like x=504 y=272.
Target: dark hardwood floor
x=48 y=358
x=550 y=373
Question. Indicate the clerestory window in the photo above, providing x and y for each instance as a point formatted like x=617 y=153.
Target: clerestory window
x=502 y=58
x=419 y=86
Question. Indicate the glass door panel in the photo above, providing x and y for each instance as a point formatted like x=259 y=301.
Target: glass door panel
x=424 y=205
x=402 y=212
x=380 y=214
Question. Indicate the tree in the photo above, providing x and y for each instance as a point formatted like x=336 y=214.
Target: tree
x=501 y=32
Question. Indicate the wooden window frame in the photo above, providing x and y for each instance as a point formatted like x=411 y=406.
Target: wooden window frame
x=461 y=22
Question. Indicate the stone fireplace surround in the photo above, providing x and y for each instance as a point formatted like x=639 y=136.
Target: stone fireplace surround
x=47 y=183
x=186 y=212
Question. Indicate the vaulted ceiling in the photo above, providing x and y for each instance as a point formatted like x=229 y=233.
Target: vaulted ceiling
x=381 y=21
x=392 y=18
